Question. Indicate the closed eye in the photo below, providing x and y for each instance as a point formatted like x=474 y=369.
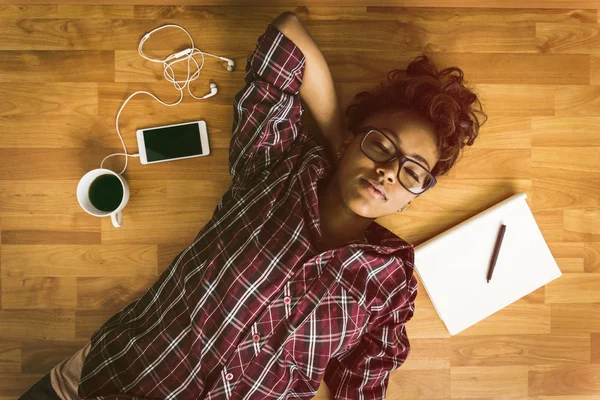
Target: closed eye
x=413 y=174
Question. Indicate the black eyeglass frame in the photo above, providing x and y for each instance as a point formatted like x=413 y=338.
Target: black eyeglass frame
x=398 y=155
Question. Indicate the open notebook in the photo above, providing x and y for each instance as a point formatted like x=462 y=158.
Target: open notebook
x=453 y=266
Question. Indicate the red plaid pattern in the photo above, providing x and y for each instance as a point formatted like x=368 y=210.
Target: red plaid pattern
x=250 y=309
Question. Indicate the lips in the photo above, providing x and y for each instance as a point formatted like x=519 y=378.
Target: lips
x=371 y=186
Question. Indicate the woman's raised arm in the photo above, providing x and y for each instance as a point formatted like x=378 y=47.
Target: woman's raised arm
x=317 y=90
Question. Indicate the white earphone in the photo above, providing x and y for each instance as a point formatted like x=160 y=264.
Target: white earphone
x=169 y=74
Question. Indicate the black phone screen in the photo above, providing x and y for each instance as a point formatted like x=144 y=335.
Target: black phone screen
x=172 y=142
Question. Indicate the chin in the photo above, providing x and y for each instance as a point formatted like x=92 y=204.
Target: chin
x=364 y=208
x=361 y=203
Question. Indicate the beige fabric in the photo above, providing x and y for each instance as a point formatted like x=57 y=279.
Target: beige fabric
x=65 y=375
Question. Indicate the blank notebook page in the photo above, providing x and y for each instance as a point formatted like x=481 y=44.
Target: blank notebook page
x=453 y=266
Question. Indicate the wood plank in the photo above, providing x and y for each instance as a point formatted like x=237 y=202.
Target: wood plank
x=567 y=38
x=579 y=101
x=566 y=189
x=493 y=37
x=71 y=164
x=568 y=256
x=43 y=197
x=595 y=348
x=574 y=288
x=483 y=381
x=49 y=98
x=517 y=100
x=428 y=354
x=518 y=318
x=57 y=66
x=98 y=11
x=591 y=257
x=420 y=384
x=241 y=12
x=594 y=70
x=97 y=132
x=53 y=131
x=471 y=195
x=28 y=11
x=493 y=163
x=421 y=3
x=550 y=131
x=538 y=296
x=140 y=227
x=126 y=34
x=582 y=225
x=33 y=34
x=502 y=350
x=39 y=324
x=568 y=397
x=573 y=159
x=28 y=228
x=564 y=380
x=65 y=261
x=37 y=292
x=550 y=223
x=371 y=13
x=575 y=318
x=511 y=68
x=505 y=133
x=10 y=362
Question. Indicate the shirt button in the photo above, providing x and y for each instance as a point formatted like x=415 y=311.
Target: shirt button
x=287 y=299
x=256 y=337
x=229 y=376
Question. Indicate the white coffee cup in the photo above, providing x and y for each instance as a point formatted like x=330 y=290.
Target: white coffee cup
x=83 y=189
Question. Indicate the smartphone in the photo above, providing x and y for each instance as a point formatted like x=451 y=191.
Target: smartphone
x=173 y=142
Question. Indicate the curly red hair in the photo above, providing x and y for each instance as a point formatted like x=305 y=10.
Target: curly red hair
x=441 y=97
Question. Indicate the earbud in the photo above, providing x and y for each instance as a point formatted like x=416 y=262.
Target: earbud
x=230 y=63
x=213 y=91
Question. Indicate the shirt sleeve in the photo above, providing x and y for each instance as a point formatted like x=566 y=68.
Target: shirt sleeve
x=363 y=372
x=268 y=109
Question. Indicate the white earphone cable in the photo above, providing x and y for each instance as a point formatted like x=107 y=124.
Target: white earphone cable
x=169 y=75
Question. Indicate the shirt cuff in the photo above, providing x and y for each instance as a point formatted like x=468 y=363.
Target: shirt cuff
x=277 y=61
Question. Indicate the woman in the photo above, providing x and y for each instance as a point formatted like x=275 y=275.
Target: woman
x=291 y=282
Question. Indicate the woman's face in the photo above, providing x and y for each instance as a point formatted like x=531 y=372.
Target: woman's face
x=412 y=134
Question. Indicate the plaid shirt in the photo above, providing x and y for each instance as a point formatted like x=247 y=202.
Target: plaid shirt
x=251 y=309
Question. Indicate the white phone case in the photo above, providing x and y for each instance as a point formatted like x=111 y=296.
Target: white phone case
x=203 y=141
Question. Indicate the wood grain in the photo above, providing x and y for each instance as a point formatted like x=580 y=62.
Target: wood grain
x=67 y=67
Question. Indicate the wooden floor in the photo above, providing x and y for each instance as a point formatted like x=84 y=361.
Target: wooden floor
x=65 y=70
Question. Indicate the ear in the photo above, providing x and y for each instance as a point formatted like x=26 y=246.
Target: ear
x=348 y=137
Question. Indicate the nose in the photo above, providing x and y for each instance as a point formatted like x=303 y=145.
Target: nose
x=389 y=169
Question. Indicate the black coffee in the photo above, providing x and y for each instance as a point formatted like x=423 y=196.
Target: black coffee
x=106 y=192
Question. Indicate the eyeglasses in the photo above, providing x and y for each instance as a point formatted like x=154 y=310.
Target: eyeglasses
x=413 y=176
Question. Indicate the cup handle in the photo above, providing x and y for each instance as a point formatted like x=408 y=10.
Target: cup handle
x=117 y=218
